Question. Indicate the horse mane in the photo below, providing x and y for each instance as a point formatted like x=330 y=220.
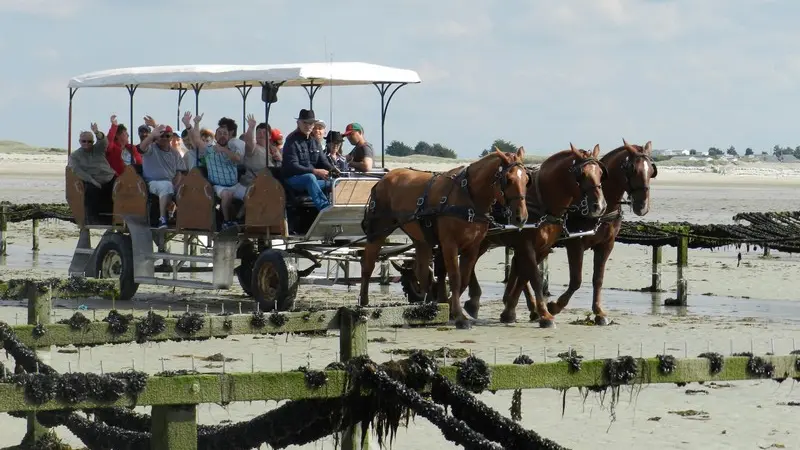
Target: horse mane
x=613 y=153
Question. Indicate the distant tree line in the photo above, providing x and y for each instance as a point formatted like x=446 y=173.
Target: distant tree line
x=776 y=150
x=397 y=148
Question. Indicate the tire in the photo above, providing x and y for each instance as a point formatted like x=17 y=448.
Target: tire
x=244 y=272
x=274 y=281
x=114 y=256
x=410 y=284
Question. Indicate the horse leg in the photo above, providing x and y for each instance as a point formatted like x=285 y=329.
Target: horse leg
x=450 y=257
x=441 y=274
x=575 y=258
x=473 y=305
x=534 y=275
x=368 y=260
x=466 y=265
x=422 y=258
x=601 y=254
x=514 y=286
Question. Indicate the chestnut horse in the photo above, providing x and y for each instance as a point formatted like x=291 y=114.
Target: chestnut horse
x=563 y=179
x=630 y=169
x=450 y=210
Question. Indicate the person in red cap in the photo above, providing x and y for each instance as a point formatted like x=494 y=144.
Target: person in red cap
x=362 y=155
x=160 y=164
x=275 y=147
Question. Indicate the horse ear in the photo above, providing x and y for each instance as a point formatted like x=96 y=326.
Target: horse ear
x=648 y=148
x=596 y=151
x=521 y=153
x=572 y=147
x=625 y=143
x=497 y=150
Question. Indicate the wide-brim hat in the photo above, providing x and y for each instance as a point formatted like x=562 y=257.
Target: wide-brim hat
x=334 y=137
x=306 y=114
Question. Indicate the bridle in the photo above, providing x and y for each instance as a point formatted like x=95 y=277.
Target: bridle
x=501 y=178
x=628 y=168
x=577 y=171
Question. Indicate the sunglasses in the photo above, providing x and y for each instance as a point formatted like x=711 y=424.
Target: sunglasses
x=84 y=141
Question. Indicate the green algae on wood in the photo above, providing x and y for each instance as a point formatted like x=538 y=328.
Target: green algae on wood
x=72 y=287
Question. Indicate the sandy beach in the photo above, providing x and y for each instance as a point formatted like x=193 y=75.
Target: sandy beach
x=754 y=304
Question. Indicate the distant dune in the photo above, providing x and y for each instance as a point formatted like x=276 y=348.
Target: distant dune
x=14 y=147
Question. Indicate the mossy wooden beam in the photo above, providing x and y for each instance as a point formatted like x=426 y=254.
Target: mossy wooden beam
x=73 y=287
x=240 y=387
x=98 y=333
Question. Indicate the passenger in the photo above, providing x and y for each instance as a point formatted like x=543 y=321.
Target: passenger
x=143 y=131
x=360 y=158
x=221 y=163
x=161 y=163
x=334 y=141
x=275 y=145
x=318 y=133
x=234 y=143
x=90 y=164
x=305 y=168
x=120 y=152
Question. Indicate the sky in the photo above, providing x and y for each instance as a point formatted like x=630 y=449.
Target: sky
x=541 y=74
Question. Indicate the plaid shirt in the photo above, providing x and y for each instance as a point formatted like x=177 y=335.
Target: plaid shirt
x=221 y=170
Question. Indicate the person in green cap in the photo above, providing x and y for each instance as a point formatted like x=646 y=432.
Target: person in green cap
x=362 y=155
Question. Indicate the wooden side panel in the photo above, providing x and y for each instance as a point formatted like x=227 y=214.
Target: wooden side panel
x=75 y=190
x=265 y=205
x=353 y=192
x=129 y=196
x=195 y=200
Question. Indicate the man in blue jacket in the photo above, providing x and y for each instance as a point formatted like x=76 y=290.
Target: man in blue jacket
x=305 y=168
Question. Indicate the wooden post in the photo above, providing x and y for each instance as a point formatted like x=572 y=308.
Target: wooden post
x=173 y=427
x=35 y=246
x=509 y=252
x=683 y=261
x=655 y=286
x=384 y=276
x=3 y=230
x=766 y=252
x=352 y=343
x=39 y=305
x=544 y=267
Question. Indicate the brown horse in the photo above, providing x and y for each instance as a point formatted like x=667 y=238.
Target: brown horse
x=450 y=210
x=630 y=169
x=563 y=179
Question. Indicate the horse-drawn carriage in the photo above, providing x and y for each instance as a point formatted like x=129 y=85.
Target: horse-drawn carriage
x=279 y=225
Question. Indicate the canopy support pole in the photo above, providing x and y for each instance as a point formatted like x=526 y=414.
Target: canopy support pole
x=181 y=92
x=383 y=88
x=244 y=90
x=131 y=91
x=72 y=92
x=311 y=90
x=196 y=88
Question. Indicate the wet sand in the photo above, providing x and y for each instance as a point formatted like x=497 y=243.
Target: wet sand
x=751 y=306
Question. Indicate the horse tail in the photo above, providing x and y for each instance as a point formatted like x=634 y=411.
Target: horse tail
x=368 y=222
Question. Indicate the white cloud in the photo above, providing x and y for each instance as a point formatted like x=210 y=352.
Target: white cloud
x=53 y=8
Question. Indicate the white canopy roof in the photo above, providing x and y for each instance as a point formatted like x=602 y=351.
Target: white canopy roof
x=219 y=76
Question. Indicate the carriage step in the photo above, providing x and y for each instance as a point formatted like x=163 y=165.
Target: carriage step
x=180 y=257
x=84 y=251
x=154 y=281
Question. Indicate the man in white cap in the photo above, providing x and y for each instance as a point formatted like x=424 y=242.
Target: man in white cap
x=318 y=132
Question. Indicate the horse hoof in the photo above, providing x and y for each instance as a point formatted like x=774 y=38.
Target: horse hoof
x=463 y=324
x=600 y=321
x=547 y=323
x=508 y=317
x=552 y=308
x=471 y=309
x=534 y=316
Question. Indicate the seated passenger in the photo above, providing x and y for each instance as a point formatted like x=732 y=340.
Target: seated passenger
x=305 y=168
x=195 y=157
x=318 y=132
x=360 y=158
x=334 y=141
x=120 y=152
x=221 y=163
x=143 y=132
x=90 y=164
x=160 y=164
x=275 y=144
x=234 y=143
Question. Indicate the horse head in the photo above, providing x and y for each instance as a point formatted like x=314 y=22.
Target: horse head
x=511 y=182
x=638 y=168
x=586 y=182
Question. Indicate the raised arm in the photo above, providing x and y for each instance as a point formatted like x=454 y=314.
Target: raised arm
x=194 y=131
x=100 y=143
x=144 y=147
x=250 y=135
x=112 y=132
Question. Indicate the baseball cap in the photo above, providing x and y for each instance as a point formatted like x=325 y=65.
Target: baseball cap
x=353 y=127
x=275 y=135
x=144 y=128
x=168 y=129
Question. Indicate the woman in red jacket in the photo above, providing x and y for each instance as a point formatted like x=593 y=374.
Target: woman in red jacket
x=120 y=151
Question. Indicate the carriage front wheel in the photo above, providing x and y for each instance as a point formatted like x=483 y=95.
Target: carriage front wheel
x=114 y=259
x=274 y=281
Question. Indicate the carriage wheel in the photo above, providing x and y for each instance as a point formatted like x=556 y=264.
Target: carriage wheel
x=274 y=281
x=114 y=260
x=244 y=272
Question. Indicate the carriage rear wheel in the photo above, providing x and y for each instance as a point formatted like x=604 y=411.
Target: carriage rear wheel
x=114 y=260
x=274 y=281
